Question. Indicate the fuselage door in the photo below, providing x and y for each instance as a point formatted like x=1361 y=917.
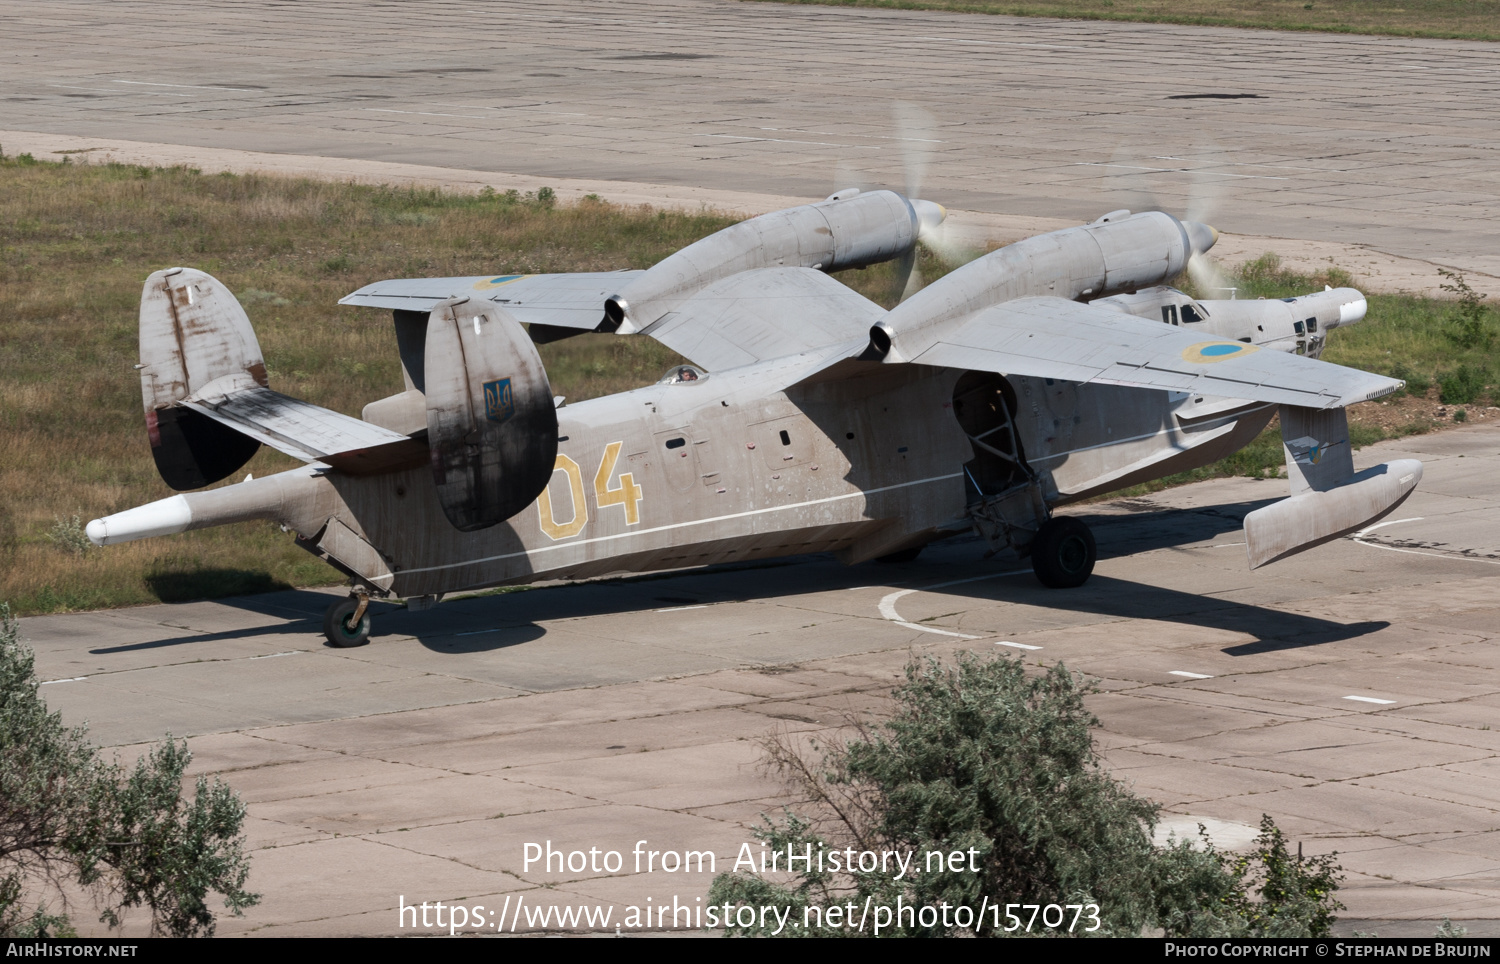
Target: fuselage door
x=674 y=449
x=783 y=442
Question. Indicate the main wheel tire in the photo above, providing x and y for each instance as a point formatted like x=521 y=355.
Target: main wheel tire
x=339 y=628
x=1063 y=553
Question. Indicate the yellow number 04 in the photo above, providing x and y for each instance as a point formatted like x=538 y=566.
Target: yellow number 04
x=627 y=493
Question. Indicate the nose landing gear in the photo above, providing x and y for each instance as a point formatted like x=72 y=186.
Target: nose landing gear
x=347 y=621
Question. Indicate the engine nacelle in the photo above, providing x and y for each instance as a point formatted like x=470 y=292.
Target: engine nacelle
x=491 y=420
x=1119 y=252
x=845 y=232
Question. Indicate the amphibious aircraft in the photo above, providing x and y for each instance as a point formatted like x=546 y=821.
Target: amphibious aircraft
x=809 y=420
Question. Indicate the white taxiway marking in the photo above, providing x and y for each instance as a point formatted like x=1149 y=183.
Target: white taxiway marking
x=888 y=606
x=71 y=679
x=290 y=652
x=1185 y=673
x=1381 y=525
x=1006 y=642
x=1369 y=699
x=1359 y=538
x=678 y=609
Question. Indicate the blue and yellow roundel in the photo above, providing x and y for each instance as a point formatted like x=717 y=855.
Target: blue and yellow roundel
x=1217 y=351
x=505 y=279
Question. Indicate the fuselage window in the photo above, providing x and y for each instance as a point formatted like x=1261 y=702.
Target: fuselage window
x=676 y=443
x=785 y=438
x=1312 y=325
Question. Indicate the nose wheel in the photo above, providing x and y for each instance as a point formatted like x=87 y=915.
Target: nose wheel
x=347 y=622
x=1063 y=553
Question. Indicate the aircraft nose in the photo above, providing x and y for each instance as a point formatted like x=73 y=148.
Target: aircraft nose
x=929 y=215
x=1201 y=236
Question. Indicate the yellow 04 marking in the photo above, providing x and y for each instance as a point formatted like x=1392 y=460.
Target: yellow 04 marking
x=573 y=526
x=627 y=493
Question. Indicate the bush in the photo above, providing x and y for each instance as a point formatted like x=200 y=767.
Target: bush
x=1267 y=277
x=128 y=837
x=984 y=759
x=69 y=536
x=1417 y=383
x=1469 y=326
x=1463 y=385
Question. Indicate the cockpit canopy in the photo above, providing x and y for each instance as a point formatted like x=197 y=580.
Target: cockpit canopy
x=679 y=374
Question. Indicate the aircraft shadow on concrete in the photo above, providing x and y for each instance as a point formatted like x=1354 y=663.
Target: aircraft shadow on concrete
x=1150 y=527
x=485 y=623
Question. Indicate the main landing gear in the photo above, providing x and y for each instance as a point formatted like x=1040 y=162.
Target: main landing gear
x=1063 y=553
x=347 y=622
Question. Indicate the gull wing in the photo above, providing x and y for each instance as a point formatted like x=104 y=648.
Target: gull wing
x=558 y=300
x=1057 y=338
x=763 y=314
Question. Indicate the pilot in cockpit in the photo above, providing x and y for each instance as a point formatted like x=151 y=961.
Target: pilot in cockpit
x=682 y=373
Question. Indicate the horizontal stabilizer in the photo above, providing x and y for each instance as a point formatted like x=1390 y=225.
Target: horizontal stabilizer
x=307 y=431
x=558 y=300
x=1298 y=523
x=1056 y=338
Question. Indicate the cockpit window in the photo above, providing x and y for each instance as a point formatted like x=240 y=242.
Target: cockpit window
x=681 y=374
x=1190 y=314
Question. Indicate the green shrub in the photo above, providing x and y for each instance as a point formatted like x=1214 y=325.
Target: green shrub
x=1417 y=383
x=1468 y=326
x=69 y=536
x=129 y=837
x=985 y=759
x=1463 y=385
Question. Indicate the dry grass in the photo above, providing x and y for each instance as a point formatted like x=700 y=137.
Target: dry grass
x=77 y=241
x=1462 y=19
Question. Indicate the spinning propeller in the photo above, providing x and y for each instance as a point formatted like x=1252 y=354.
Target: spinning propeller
x=1146 y=190
x=914 y=129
